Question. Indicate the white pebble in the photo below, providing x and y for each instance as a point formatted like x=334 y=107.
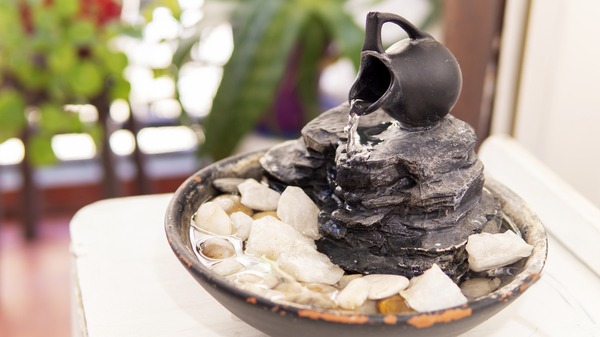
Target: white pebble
x=304 y=263
x=212 y=218
x=343 y=282
x=231 y=203
x=258 y=196
x=265 y=281
x=270 y=237
x=298 y=210
x=242 y=224
x=477 y=287
x=354 y=295
x=271 y=294
x=290 y=288
x=433 y=290
x=217 y=248
x=311 y=299
x=321 y=288
x=227 y=267
x=385 y=285
x=489 y=251
x=227 y=185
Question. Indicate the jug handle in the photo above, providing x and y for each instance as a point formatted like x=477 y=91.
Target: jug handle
x=375 y=21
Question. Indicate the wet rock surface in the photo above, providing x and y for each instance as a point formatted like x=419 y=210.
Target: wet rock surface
x=402 y=200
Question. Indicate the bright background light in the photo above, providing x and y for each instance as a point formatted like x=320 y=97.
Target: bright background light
x=12 y=152
x=73 y=146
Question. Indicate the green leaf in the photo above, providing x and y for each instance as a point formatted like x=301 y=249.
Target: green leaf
x=85 y=79
x=39 y=149
x=120 y=88
x=266 y=33
x=172 y=5
x=10 y=25
x=45 y=21
x=313 y=45
x=113 y=61
x=55 y=120
x=66 y=8
x=347 y=35
x=184 y=48
x=82 y=32
x=437 y=7
x=19 y=58
x=61 y=58
x=12 y=114
x=58 y=89
x=116 y=63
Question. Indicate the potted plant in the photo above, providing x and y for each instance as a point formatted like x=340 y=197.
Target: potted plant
x=279 y=48
x=54 y=53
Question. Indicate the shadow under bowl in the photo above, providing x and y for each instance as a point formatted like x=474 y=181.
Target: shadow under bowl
x=277 y=319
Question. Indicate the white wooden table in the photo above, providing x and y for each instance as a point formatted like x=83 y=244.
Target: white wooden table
x=127 y=282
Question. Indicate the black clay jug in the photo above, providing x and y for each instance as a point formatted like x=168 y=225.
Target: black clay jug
x=416 y=81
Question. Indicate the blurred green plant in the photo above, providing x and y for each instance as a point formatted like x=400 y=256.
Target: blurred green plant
x=54 y=53
x=271 y=80
x=280 y=46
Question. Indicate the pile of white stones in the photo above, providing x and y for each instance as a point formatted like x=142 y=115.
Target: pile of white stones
x=264 y=242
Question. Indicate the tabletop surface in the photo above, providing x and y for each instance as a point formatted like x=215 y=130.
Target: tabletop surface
x=128 y=282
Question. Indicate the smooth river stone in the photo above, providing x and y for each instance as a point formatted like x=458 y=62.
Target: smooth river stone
x=311 y=299
x=490 y=251
x=228 y=185
x=343 y=282
x=217 y=248
x=477 y=287
x=433 y=290
x=266 y=281
x=212 y=218
x=242 y=224
x=354 y=294
x=385 y=285
x=258 y=196
x=227 y=267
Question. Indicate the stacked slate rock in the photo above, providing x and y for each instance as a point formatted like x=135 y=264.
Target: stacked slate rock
x=408 y=199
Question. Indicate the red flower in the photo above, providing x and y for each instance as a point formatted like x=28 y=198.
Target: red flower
x=26 y=19
x=102 y=11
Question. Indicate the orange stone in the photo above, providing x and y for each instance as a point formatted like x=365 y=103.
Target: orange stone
x=393 y=305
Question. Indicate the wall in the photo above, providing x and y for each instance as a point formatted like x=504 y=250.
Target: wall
x=557 y=100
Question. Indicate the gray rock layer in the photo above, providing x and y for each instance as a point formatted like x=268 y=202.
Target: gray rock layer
x=408 y=200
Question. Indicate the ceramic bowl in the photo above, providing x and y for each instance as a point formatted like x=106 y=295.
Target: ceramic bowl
x=293 y=321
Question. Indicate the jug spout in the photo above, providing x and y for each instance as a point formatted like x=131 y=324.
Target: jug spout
x=374 y=81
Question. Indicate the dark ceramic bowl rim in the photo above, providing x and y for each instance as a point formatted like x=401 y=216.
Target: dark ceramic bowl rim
x=534 y=233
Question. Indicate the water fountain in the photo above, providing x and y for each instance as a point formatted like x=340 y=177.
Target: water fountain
x=399 y=184
x=397 y=190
